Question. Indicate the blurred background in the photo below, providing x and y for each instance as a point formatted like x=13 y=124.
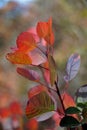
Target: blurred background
x=70 y=29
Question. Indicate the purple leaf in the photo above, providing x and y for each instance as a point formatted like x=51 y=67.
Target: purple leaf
x=38 y=57
x=72 y=67
x=42 y=48
x=81 y=93
x=29 y=74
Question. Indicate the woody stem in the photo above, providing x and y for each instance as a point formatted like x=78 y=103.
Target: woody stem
x=58 y=92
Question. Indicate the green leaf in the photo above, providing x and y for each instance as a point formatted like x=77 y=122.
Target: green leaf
x=83 y=121
x=85 y=104
x=69 y=121
x=81 y=105
x=72 y=110
x=52 y=68
x=40 y=104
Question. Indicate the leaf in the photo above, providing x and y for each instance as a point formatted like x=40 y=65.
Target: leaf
x=68 y=100
x=72 y=110
x=42 y=47
x=32 y=124
x=57 y=118
x=36 y=37
x=69 y=121
x=46 y=72
x=39 y=105
x=29 y=74
x=44 y=30
x=32 y=30
x=26 y=41
x=19 y=58
x=52 y=69
x=5 y=112
x=81 y=94
x=72 y=67
x=47 y=76
x=50 y=39
x=37 y=56
x=36 y=90
x=15 y=108
x=81 y=105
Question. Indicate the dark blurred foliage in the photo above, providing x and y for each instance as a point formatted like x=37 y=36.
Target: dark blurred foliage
x=70 y=28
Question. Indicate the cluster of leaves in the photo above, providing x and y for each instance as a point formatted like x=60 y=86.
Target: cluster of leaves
x=35 y=50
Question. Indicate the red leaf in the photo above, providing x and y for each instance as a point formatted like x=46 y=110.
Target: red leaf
x=15 y=108
x=5 y=112
x=29 y=74
x=44 y=30
x=68 y=100
x=32 y=124
x=36 y=90
x=50 y=39
x=36 y=37
x=26 y=42
x=57 y=118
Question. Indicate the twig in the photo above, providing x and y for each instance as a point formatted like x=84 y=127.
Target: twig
x=58 y=92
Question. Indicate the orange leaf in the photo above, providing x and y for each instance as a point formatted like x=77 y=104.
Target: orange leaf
x=26 y=42
x=34 y=57
x=18 y=57
x=46 y=71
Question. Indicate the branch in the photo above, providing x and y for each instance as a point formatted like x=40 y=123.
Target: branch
x=58 y=92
